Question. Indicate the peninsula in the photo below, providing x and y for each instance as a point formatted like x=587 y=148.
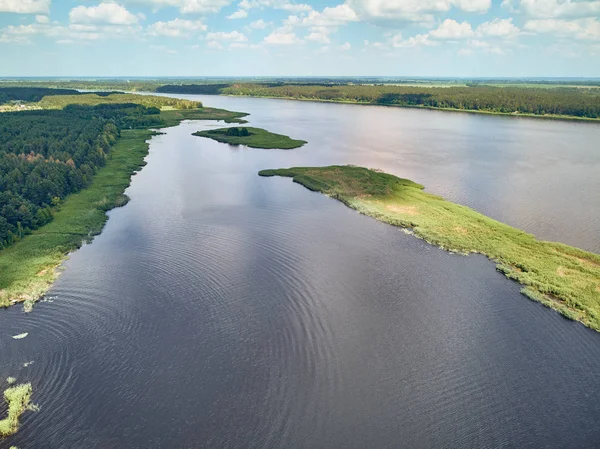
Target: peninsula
x=559 y=276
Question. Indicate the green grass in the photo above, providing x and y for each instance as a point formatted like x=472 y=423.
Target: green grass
x=18 y=399
x=258 y=138
x=562 y=277
x=29 y=267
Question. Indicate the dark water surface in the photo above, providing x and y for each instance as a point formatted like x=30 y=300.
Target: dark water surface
x=219 y=309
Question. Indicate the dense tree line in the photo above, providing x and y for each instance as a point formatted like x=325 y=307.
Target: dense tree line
x=557 y=101
x=47 y=154
x=30 y=94
x=199 y=89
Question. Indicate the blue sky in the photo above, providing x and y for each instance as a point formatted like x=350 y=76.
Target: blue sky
x=456 y=38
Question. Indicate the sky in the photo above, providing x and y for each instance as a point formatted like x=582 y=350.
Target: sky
x=428 y=38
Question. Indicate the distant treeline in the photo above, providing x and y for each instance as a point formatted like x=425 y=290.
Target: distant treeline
x=47 y=154
x=36 y=94
x=198 y=89
x=30 y=94
x=574 y=102
x=558 y=101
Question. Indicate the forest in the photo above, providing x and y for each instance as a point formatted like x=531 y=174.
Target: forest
x=30 y=94
x=46 y=155
x=574 y=102
x=561 y=98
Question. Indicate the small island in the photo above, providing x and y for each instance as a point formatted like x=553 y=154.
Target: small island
x=251 y=137
x=559 y=276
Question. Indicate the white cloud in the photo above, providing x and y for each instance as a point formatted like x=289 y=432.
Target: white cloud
x=555 y=9
x=239 y=14
x=187 y=6
x=330 y=17
x=275 y=4
x=233 y=36
x=259 y=24
x=451 y=29
x=215 y=45
x=25 y=6
x=319 y=37
x=346 y=46
x=465 y=52
x=176 y=28
x=583 y=29
x=473 y=5
x=280 y=38
x=486 y=47
x=420 y=40
x=321 y=24
x=422 y=11
x=294 y=7
x=75 y=32
x=11 y=39
x=498 y=28
x=104 y=13
x=42 y=19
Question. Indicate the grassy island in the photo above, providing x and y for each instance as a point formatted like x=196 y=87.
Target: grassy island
x=19 y=400
x=251 y=137
x=78 y=178
x=562 y=277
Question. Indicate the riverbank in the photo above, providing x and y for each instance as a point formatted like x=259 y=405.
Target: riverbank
x=430 y=108
x=29 y=267
x=251 y=137
x=561 y=277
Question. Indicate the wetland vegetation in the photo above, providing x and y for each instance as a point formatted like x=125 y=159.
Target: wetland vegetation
x=18 y=399
x=251 y=137
x=562 y=277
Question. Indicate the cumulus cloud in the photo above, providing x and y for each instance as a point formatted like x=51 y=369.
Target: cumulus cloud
x=239 y=14
x=451 y=29
x=233 y=36
x=42 y=19
x=316 y=36
x=321 y=24
x=176 y=28
x=422 y=11
x=104 y=13
x=25 y=6
x=187 y=6
x=281 y=38
x=275 y=4
x=420 y=40
x=583 y=29
x=555 y=9
x=498 y=28
x=259 y=24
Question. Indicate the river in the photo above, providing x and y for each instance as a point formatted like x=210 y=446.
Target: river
x=219 y=309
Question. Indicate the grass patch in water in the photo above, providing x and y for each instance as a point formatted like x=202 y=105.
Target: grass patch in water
x=559 y=276
x=251 y=137
x=18 y=399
